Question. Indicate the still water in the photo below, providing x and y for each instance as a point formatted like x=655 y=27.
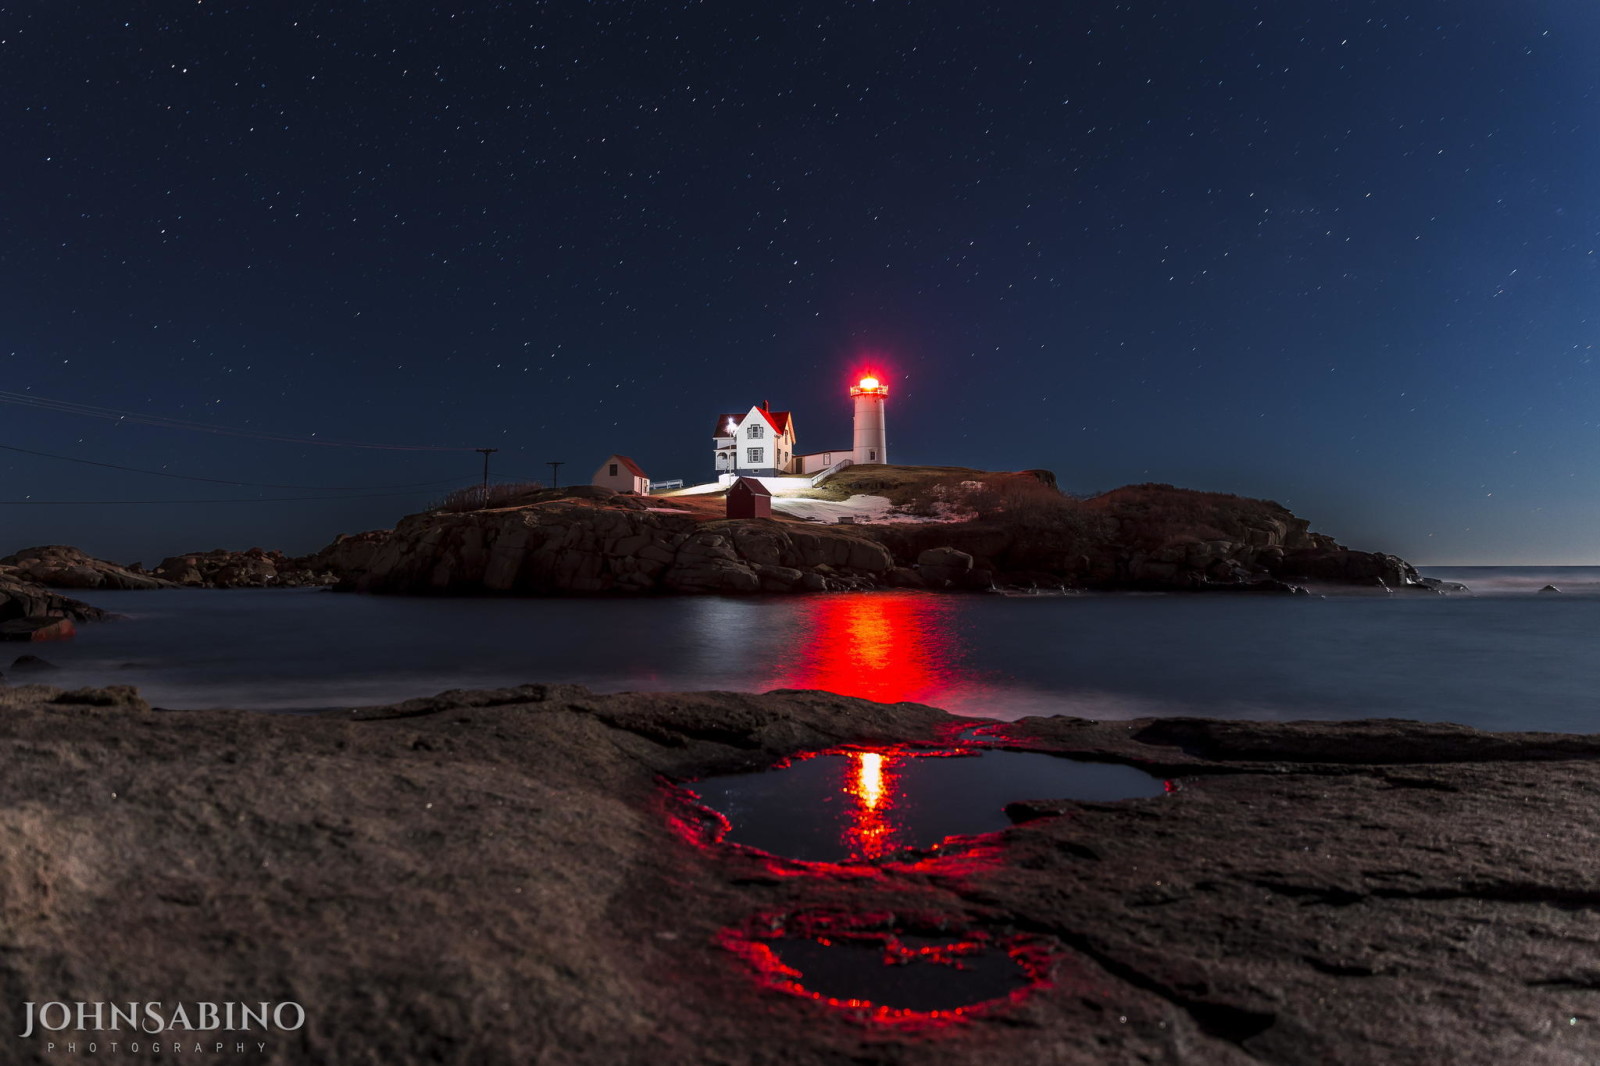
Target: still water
x=867 y=805
x=1503 y=658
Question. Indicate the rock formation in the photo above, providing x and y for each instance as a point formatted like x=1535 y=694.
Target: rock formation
x=252 y=568
x=507 y=877
x=587 y=540
x=29 y=611
x=1153 y=537
x=571 y=545
x=61 y=567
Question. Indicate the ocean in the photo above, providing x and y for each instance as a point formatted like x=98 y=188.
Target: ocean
x=1505 y=657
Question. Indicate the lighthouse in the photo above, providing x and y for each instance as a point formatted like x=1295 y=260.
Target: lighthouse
x=871 y=442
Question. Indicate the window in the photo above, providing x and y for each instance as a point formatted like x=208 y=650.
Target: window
x=613 y=469
x=872 y=457
x=756 y=432
x=753 y=455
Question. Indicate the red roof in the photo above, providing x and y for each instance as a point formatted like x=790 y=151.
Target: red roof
x=633 y=467
x=779 y=420
x=750 y=485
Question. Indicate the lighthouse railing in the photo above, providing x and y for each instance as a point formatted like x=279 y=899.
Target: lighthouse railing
x=829 y=471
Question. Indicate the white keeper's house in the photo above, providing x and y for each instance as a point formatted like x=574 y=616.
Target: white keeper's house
x=759 y=442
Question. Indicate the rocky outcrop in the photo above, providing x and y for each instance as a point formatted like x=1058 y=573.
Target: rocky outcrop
x=62 y=567
x=1154 y=537
x=31 y=612
x=579 y=546
x=511 y=881
x=1341 y=566
x=349 y=556
x=945 y=568
x=26 y=599
x=252 y=568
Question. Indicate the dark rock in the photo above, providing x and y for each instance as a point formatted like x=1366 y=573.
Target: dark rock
x=903 y=577
x=32 y=662
x=977 y=581
x=1345 y=567
x=27 y=599
x=1549 y=588
x=941 y=567
x=598 y=546
x=251 y=568
x=60 y=566
x=1334 y=892
x=38 y=628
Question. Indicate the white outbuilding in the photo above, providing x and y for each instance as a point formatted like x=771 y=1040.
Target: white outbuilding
x=623 y=475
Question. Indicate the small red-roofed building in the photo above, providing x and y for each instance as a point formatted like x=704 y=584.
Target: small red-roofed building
x=749 y=498
x=623 y=475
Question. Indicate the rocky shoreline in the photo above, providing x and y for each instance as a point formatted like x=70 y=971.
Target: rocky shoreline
x=511 y=876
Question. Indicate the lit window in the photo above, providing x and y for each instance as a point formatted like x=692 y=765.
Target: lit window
x=753 y=455
x=757 y=432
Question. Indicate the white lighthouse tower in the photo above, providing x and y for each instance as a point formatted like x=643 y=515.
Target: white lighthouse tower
x=872 y=445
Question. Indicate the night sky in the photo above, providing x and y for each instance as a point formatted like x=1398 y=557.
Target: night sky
x=1338 y=254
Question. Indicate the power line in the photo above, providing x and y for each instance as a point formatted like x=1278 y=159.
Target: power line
x=222 y=481
x=247 y=499
x=44 y=403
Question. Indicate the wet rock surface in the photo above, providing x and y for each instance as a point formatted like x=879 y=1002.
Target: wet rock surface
x=502 y=877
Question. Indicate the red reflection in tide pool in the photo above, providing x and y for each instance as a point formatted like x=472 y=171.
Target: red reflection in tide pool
x=883 y=646
x=871 y=833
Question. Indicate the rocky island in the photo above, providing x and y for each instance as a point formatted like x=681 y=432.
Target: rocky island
x=950 y=529
x=956 y=529
x=520 y=876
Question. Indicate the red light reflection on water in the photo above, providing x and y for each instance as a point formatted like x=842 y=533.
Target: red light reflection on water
x=871 y=833
x=884 y=646
x=1034 y=957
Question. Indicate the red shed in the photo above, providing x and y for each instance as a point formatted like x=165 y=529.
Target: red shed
x=749 y=498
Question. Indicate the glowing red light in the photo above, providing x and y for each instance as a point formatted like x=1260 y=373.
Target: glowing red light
x=869 y=385
x=869 y=779
x=884 y=646
x=871 y=832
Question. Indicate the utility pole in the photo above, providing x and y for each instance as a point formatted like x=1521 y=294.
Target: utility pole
x=555 y=472
x=486 y=453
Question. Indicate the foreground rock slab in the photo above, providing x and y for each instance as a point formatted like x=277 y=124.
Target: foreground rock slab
x=505 y=877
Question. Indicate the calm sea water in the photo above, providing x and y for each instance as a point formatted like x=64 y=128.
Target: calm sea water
x=1502 y=658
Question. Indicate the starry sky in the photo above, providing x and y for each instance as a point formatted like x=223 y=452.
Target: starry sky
x=1337 y=253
